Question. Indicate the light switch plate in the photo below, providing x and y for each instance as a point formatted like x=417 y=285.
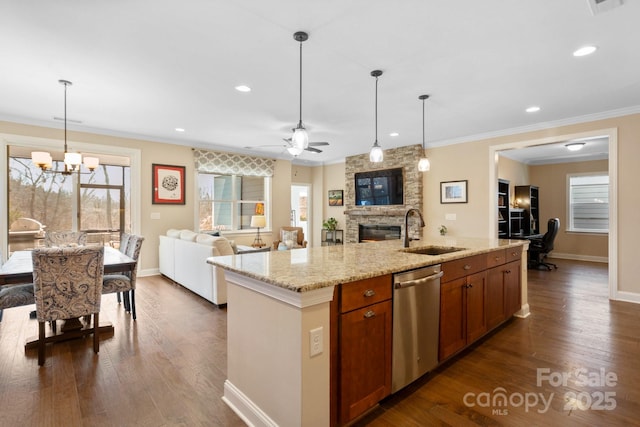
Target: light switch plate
x=155 y=215
x=450 y=217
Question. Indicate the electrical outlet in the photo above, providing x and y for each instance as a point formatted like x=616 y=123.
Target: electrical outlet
x=315 y=341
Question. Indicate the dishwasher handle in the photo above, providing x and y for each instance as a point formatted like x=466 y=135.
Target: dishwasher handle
x=415 y=282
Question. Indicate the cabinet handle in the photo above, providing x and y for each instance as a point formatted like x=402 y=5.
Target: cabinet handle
x=470 y=285
x=369 y=293
x=508 y=271
x=467 y=267
x=497 y=258
x=514 y=253
x=369 y=314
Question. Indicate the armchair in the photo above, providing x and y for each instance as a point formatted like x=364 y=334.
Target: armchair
x=291 y=237
x=539 y=248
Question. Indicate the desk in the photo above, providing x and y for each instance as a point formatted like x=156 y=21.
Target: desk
x=19 y=269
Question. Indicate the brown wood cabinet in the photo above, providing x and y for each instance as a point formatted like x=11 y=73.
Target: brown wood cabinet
x=477 y=294
x=462 y=313
x=361 y=364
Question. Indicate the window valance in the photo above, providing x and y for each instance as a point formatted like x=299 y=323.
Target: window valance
x=232 y=163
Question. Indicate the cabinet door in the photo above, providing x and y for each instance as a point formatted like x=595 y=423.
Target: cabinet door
x=495 y=302
x=453 y=333
x=365 y=358
x=512 y=287
x=475 y=290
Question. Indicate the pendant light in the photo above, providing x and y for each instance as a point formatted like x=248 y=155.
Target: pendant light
x=423 y=165
x=72 y=161
x=300 y=138
x=376 y=155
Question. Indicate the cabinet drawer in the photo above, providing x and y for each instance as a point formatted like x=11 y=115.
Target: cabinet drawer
x=513 y=254
x=496 y=258
x=463 y=267
x=364 y=292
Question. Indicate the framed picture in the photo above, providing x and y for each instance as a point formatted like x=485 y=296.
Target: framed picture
x=167 y=184
x=453 y=192
x=335 y=198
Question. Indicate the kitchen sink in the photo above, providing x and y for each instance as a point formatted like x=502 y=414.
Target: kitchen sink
x=433 y=250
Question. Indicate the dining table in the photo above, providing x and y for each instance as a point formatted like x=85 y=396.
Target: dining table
x=19 y=269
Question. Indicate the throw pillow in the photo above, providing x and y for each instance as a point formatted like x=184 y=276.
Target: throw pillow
x=289 y=235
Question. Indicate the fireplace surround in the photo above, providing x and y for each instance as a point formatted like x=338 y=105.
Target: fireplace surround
x=392 y=215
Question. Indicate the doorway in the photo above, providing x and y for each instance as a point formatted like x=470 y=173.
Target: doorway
x=611 y=136
x=301 y=209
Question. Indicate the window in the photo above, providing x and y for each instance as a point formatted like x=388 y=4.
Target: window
x=97 y=203
x=227 y=202
x=589 y=203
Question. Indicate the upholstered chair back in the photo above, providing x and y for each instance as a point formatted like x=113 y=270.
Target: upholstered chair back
x=65 y=238
x=67 y=282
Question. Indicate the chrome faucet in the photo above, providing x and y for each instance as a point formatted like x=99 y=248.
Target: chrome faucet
x=406 y=224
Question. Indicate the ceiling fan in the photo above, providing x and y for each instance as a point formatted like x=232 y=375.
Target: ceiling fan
x=288 y=145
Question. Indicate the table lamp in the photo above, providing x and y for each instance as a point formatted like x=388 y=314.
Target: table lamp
x=258 y=221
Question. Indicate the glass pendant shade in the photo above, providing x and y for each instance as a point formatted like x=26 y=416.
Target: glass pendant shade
x=91 y=163
x=376 y=155
x=300 y=138
x=424 y=165
x=294 y=151
x=73 y=160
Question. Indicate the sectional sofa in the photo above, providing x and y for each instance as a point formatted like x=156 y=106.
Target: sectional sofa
x=182 y=257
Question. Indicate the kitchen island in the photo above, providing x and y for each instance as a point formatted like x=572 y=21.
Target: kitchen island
x=280 y=341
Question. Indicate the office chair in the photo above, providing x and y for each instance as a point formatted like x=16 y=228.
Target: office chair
x=539 y=248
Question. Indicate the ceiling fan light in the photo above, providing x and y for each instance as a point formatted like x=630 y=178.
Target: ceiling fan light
x=424 y=165
x=300 y=138
x=376 y=155
x=294 y=151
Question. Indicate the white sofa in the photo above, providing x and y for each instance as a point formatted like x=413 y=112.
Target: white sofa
x=183 y=255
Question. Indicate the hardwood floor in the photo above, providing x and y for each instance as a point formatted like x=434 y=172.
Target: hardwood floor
x=166 y=368
x=169 y=366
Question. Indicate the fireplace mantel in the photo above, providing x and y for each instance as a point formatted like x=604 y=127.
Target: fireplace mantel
x=395 y=211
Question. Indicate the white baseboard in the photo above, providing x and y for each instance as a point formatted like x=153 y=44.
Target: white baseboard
x=523 y=312
x=576 y=257
x=250 y=413
x=627 y=297
x=148 y=272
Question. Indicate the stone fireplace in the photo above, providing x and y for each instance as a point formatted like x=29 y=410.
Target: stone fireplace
x=393 y=215
x=371 y=233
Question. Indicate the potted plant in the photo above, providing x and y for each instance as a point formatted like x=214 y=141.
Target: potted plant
x=443 y=230
x=330 y=225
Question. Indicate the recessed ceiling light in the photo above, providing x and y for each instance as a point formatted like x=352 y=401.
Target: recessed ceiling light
x=585 y=50
x=243 y=88
x=179 y=130
x=533 y=109
x=575 y=146
x=394 y=134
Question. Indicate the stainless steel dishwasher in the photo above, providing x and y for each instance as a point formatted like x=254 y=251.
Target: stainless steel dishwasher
x=416 y=323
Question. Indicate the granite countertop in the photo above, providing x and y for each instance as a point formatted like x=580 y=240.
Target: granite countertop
x=302 y=270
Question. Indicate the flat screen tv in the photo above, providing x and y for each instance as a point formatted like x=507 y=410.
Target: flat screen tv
x=381 y=187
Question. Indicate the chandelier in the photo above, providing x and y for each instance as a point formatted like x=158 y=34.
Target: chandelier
x=72 y=161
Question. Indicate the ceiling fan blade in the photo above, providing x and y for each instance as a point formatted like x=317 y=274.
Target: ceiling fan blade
x=313 y=150
x=317 y=144
x=263 y=146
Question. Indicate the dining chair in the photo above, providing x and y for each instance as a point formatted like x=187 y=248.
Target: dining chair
x=122 y=247
x=125 y=282
x=65 y=238
x=15 y=295
x=67 y=284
